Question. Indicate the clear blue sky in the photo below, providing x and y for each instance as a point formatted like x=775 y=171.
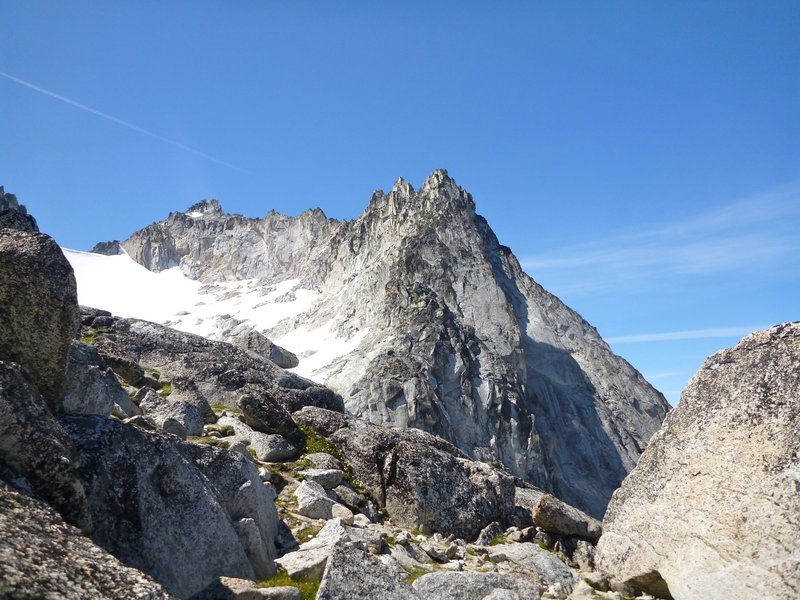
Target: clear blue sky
x=642 y=159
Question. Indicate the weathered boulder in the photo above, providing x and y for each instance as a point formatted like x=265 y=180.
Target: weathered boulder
x=398 y=465
x=34 y=446
x=314 y=503
x=152 y=508
x=92 y=388
x=473 y=586
x=215 y=372
x=327 y=478
x=711 y=510
x=39 y=315
x=162 y=408
x=253 y=341
x=268 y=447
x=309 y=560
x=323 y=460
x=555 y=516
x=535 y=564
x=354 y=574
x=264 y=413
x=43 y=557
x=249 y=501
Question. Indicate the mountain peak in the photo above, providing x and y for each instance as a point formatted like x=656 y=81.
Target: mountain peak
x=402 y=187
x=205 y=207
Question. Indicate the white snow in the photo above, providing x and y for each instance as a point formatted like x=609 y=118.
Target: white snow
x=121 y=285
x=194 y=214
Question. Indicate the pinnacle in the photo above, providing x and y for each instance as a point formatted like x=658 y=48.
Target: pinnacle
x=206 y=207
x=402 y=187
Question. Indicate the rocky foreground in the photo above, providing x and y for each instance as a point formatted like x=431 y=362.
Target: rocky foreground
x=137 y=461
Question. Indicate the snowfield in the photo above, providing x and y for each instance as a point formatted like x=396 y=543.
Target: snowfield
x=127 y=289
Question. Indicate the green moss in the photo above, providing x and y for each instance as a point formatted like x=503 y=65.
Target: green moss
x=166 y=389
x=416 y=573
x=498 y=539
x=308 y=533
x=93 y=334
x=219 y=408
x=252 y=452
x=208 y=441
x=224 y=430
x=390 y=540
x=308 y=587
x=472 y=552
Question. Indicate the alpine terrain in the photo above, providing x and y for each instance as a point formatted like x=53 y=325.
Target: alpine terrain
x=414 y=313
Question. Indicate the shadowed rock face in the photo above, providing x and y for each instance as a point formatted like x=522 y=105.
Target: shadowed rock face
x=43 y=557
x=39 y=315
x=712 y=510
x=457 y=339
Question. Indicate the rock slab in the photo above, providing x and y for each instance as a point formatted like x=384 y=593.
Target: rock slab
x=712 y=510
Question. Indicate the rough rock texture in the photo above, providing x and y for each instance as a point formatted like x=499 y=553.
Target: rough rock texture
x=204 y=372
x=353 y=574
x=555 y=516
x=43 y=557
x=713 y=509
x=532 y=563
x=34 y=446
x=398 y=465
x=248 y=501
x=252 y=340
x=229 y=588
x=39 y=315
x=268 y=447
x=14 y=215
x=109 y=248
x=92 y=388
x=151 y=507
x=441 y=329
x=163 y=409
x=473 y=586
x=264 y=413
x=310 y=558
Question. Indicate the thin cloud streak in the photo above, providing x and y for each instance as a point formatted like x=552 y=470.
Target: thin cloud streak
x=758 y=235
x=118 y=121
x=690 y=334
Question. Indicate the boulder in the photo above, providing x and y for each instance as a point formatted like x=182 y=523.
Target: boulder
x=43 y=557
x=245 y=497
x=40 y=309
x=263 y=413
x=33 y=445
x=268 y=447
x=473 y=586
x=555 y=516
x=314 y=503
x=162 y=408
x=323 y=460
x=230 y=588
x=309 y=560
x=354 y=574
x=152 y=508
x=534 y=564
x=327 y=478
x=398 y=465
x=711 y=510
x=92 y=388
x=255 y=342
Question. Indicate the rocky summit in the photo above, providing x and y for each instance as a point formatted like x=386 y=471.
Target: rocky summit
x=418 y=317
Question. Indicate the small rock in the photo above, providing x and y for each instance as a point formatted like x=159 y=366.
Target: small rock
x=342 y=512
x=361 y=520
x=327 y=478
x=174 y=427
x=323 y=460
x=488 y=533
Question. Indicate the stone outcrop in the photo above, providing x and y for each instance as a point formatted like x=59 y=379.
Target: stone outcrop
x=36 y=448
x=43 y=557
x=152 y=508
x=110 y=248
x=474 y=586
x=39 y=315
x=397 y=467
x=92 y=388
x=14 y=215
x=442 y=330
x=712 y=509
x=204 y=372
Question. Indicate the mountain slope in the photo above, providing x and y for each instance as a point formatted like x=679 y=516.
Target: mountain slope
x=418 y=316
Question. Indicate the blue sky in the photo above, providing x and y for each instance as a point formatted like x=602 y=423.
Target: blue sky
x=642 y=159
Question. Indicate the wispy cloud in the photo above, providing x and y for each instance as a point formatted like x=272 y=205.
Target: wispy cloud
x=118 y=121
x=757 y=234
x=690 y=334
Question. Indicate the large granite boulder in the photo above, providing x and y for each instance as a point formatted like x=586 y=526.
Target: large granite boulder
x=712 y=509
x=35 y=447
x=474 y=586
x=43 y=557
x=39 y=315
x=152 y=508
x=421 y=480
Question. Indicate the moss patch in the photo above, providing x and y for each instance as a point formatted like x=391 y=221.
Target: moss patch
x=308 y=587
x=208 y=441
x=498 y=539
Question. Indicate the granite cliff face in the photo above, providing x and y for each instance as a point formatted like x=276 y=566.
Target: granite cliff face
x=437 y=328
